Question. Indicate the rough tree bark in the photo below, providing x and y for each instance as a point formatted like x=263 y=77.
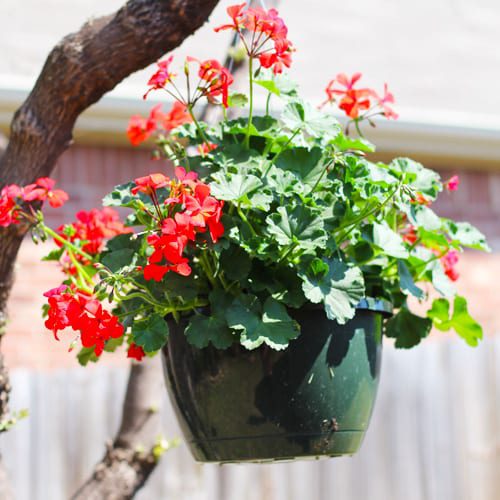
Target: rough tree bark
x=77 y=73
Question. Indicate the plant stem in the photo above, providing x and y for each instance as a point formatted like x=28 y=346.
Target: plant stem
x=245 y=220
x=378 y=208
x=65 y=242
x=290 y=249
x=205 y=264
x=320 y=177
x=250 y=112
x=197 y=125
x=276 y=156
x=268 y=101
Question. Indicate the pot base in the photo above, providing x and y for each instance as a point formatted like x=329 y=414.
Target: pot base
x=278 y=448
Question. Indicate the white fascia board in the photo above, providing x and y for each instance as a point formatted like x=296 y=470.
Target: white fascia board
x=438 y=135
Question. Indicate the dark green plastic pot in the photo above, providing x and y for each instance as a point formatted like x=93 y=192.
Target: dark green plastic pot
x=313 y=399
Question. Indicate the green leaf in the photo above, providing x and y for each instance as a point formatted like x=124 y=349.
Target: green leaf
x=417 y=176
x=233 y=187
x=118 y=259
x=244 y=314
x=306 y=164
x=113 y=344
x=340 y=289
x=187 y=288
x=406 y=281
x=55 y=254
x=151 y=333
x=274 y=327
x=440 y=281
x=407 y=328
x=120 y=252
x=467 y=235
x=235 y=263
x=431 y=239
x=345 y=143
x=269 y=85
x=422 y=216
x=212 y=328
x=86 y=356
x=303 y=116
x=388 y=241
x=237 y=100
x=440 y=314
x=285 y=85
x=298 y=225
x=203 y=330
x=461 y=321
x=121 y=196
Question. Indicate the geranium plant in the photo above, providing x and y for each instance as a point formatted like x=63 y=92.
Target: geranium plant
x=265 y=213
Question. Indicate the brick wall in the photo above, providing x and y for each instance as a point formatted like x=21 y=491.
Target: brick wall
x=89 y=173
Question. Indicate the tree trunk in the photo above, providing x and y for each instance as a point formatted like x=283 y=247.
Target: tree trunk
x=77 y=73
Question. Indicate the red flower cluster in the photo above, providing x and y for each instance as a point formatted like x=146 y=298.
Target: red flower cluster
x=214 y=81
x=449 y=261
x=140 y=129
x=9 y=213
x=266 y=26
x=135 y=352
x=83 y=313
x=410 y=235
x=12 y=195
x=354 y=101
x=43 y=190
x=93 y=228
x=217 y=80
x=161 y=77
x=150 y=183
x=199 y=213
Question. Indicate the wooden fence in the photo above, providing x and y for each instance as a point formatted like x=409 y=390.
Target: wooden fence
x=434 y=436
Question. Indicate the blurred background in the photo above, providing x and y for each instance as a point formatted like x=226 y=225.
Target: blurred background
x=436 y=428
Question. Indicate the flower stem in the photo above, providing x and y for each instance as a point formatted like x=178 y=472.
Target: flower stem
x=245 y=220
x=250 y=112
x=197 y=125
x=205 y=264
x=65 y=242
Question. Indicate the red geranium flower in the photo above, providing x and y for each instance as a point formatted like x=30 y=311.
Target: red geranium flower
x=43 y=190
x=452 y=183
x=83 y=313
x=135 y=352
x=93 y=228
x=218 y=78
x=449 y=261
x=161 y=77
x=140 y=129
x=177 y=116
x=150 y=183
x=384 y=101
x=235 y=12
x=410 y=235
x=8 y=206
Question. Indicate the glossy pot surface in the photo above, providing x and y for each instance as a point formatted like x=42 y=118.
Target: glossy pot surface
x=313 y=399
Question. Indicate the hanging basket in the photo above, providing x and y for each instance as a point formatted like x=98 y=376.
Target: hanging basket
x=313 y=399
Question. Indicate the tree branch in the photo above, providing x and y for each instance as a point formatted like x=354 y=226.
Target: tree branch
x=129 y=460
x=77 y=73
